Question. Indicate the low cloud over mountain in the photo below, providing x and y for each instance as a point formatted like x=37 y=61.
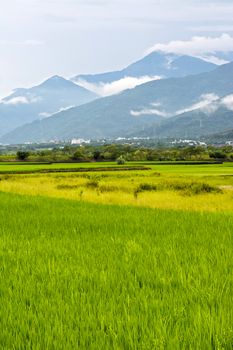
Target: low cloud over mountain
x=200 y=104
x=206 y=48
x=112 y=88
x=52 y=96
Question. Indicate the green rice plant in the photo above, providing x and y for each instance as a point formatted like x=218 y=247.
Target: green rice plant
x=183 y=187
x=83 y=276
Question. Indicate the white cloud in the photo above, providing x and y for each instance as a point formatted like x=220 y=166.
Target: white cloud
x=214 y=59
x=211 y=107
x=204 y=104
x=116 y=86
x=155 y=104
x=148 y=111
x=61 y=25
x=49 y=114
x=15 y=101
x=21 y=100
x=208 y=103
x=228 y=102
x=62 y=109
x=45 y=114
x=199 y=46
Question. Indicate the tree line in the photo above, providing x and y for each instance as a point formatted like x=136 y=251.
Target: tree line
x=122 y=153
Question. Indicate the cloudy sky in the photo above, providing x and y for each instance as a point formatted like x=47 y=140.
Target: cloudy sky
x=40 y=38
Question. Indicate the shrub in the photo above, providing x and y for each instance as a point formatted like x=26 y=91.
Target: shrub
x=120 y=160
x=218 y=155
x=147 y=187
x=92 y=184
x=193 y=188
x=201 y=188
x=144 y=187
x=78 y=155
x=22 y=155
x=97 y=155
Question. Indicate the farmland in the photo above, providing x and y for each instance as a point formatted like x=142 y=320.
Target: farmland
x=138 y=259
x=183 y=187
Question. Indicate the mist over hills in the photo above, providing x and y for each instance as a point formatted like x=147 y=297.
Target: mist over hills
x=213 y=118
x=142 y=108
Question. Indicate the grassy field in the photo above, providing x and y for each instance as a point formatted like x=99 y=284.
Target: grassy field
x=153 y=270
x=181 y=187
x=225 y=168
x=12 y=167
x=83 y=276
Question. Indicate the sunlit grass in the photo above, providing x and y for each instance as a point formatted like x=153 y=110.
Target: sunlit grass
x=82 y=276
x=164 y=188
x=79 y=275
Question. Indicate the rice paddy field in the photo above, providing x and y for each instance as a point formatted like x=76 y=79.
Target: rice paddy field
x=138 y=258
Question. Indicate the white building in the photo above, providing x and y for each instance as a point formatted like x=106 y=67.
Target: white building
x=79 y=141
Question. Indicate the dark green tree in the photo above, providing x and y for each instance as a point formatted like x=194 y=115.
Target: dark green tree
x=22 y=155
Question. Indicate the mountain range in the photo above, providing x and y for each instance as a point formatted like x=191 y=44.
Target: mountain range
x=182 y=96
x=215 y=117
x=53 y=95
x=168 y=104
x=154 y=66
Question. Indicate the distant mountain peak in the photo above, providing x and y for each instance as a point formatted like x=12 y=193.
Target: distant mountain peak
x=155 y=64
x=52 y=95
x=57 y=77
x=142 y=111
x=55 y=81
